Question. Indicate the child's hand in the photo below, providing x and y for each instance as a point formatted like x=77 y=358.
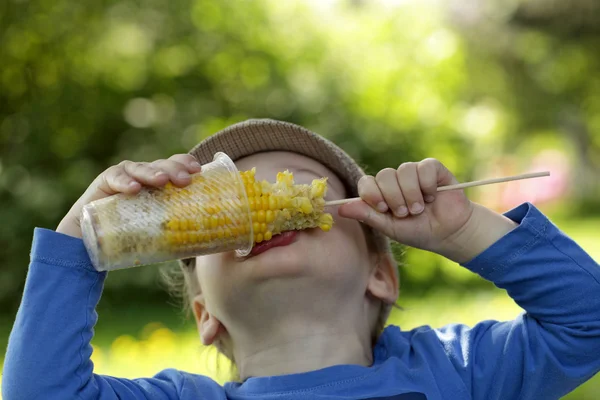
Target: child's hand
x=404 y=204
x=128 y=177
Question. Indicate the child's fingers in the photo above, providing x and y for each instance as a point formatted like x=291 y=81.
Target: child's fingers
x=370 y=193
x=388 y=184
x=427 y=172
x=443 y=175
x=116 y=180
x=189 y=161
x=178 y=173
x=145 y=173
x=363 y=212
x=411 y=189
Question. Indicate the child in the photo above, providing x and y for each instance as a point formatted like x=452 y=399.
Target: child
x=302 y=317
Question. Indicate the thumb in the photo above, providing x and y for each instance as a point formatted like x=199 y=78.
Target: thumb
x=362 y=212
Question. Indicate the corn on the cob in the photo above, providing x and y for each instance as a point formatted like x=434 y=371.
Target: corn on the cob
x=221 y=210
x=275 y=208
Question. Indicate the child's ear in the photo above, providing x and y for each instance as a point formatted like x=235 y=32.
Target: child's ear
x=383 y=282
x=209 y=327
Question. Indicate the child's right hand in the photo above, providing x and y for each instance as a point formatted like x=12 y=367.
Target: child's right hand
x=129 y=177
x=446 y=222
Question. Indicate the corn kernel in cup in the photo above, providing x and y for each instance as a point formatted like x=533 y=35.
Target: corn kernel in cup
x=221 y=210
x=211 y=215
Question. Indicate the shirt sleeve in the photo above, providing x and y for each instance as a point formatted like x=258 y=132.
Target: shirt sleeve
x=49 y=349
x=555 y=345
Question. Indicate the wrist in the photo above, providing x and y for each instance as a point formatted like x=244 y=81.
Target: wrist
x=483 y=228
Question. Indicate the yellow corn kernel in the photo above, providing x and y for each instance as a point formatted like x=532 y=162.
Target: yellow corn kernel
x=220 y=233
x=325 y=227
x=214 y=221
x=234 y=231
x=325 y=222
x=193 y=237
x=265 y=202
x=257 y=188
x=173 y=224
x=250 y=190
x=254 y=215
x=206 y=222
x=252 y=203
x=228 y=233
x=260 y=216
x=326 y=219
x=221 y=220
x=256 y=227
x=227 y=220
x=286 y=178
x=178 y=237
x=269 y=216
x=268 y=235
x=265 y=186
x=318 y=187
x=272 y=203
x=258 y=237
x=263 y=227
x=304 y=205
x=197 y=178
x=183 y=224
x=170 y=237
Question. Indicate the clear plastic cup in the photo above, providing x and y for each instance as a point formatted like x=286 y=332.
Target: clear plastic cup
x=211 y=215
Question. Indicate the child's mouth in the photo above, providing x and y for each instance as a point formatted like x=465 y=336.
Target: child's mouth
x=282 y=239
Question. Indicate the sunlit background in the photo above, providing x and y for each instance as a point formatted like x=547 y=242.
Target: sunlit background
x=491 y=88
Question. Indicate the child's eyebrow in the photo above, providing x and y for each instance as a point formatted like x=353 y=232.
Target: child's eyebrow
x=310 y=171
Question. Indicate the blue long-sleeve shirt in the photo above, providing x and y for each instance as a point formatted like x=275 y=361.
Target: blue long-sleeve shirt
x=542 y=354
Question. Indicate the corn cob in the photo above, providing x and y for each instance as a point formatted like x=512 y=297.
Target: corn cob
x=221 y=210
x=275 y=208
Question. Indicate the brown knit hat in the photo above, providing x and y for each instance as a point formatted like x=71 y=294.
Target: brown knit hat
x=260 y=135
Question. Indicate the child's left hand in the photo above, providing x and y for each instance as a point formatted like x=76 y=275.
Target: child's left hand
x=404 y=205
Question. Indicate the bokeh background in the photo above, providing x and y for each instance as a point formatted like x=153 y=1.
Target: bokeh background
x=490 y=88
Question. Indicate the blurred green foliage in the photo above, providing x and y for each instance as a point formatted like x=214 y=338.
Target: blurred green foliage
x=482 y=86
x=84 y=86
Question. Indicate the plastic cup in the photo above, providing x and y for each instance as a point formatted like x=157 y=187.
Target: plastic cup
x=211 y=215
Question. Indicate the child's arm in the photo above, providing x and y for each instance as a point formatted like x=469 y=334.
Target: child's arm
x=553 y=347
x=49 y=348
x=544 y=353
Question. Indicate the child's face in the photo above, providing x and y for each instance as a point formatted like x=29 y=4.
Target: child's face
x=321 y=275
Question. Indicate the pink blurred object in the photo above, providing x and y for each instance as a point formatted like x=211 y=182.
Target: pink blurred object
x=540 y=190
